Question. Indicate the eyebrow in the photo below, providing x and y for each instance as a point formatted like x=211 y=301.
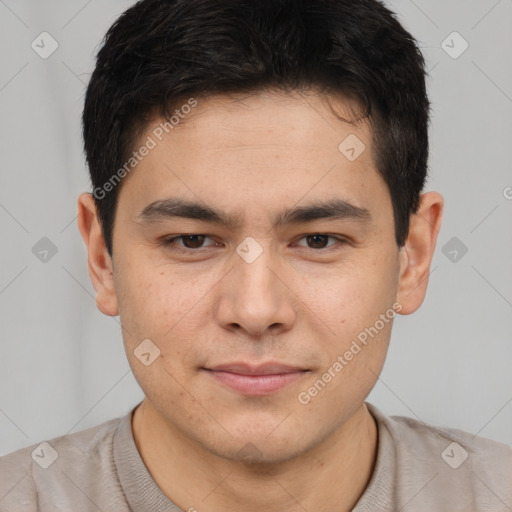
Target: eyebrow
x=336 y=209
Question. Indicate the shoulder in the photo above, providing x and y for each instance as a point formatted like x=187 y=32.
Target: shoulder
x=447 y=466
x=39 y=476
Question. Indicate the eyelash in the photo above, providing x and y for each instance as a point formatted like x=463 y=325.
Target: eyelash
x=173 y=246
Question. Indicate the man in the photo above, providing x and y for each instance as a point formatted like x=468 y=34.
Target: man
x=257 y=221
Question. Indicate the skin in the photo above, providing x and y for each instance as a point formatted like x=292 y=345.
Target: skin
x=296 y=303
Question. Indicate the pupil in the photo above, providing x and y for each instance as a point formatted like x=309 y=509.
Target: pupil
x=195 y=244
x=324 y=237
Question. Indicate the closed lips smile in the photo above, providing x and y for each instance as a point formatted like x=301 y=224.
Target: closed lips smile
x=255 y=380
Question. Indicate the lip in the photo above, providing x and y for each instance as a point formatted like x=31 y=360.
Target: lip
x=269 y=368
x=257 y=380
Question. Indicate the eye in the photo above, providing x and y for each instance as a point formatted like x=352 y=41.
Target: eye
x=319 y=241
x=190 y=242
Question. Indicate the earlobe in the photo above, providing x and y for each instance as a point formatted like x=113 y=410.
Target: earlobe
x=98 y=260
x=416 y=255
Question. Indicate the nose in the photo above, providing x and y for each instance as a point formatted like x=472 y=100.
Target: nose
x=255 y=298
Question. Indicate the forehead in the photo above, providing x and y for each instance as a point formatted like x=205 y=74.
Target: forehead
x=265 y=150
x=252 y=115
x=262 y=120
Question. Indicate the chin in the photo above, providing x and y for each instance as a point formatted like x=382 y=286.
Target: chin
x=261 y=446
x=260 y=453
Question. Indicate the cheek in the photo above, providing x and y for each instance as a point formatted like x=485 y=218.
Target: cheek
x=149 y=294
x=349 y=304
x=168 y=305
x=352 y=295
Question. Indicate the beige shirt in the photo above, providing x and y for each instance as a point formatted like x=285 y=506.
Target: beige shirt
x=419 y=468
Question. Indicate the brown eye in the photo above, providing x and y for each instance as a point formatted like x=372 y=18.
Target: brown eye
x=193 y=241
x=320 y=241
x=317 y=241
x=189 y=243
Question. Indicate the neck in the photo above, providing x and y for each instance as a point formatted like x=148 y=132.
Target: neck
x=332 y=476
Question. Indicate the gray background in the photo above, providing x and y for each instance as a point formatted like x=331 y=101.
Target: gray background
x=62 y=363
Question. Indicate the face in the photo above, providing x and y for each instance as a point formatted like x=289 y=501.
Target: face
x=265 y=293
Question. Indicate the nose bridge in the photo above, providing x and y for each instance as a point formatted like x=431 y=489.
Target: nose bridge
x=253 y=274
x=253 y=296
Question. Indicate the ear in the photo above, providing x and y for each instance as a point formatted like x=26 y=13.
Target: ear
x=416 y=255
x=99 y=262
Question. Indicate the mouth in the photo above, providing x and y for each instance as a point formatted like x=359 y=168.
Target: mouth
x=258 y=380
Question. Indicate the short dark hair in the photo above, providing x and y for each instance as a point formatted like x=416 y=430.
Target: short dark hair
x=159 y=52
